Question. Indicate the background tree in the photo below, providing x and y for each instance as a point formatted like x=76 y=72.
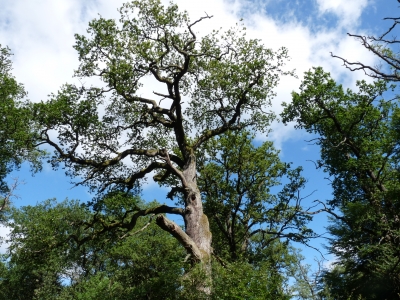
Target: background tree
x=384 y=48
x=253 y=216
x=240 y=183
x=46 y=258
x=112 y=137
x=358 y=136
x=15 y=127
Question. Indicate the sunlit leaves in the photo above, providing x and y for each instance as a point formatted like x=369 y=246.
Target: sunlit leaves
x=245 y=199
x=358 y=135
x=16 y=125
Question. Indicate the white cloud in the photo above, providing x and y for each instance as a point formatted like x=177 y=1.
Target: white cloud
x=4 y=232
x=41 y=34
x=348 y=12
x=329 y=264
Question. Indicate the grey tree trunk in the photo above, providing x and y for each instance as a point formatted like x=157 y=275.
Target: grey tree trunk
x=196 y=222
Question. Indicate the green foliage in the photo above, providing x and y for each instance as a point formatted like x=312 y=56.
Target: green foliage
x=16 y=125
x=359 y=140
x=39 y=253
x=109 y=135
x=45 y=261
x=240 y=280
x=240 y=183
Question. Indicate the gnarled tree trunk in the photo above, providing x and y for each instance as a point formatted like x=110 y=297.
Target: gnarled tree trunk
x=196 y=222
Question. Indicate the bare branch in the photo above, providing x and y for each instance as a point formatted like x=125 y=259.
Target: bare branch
x=107 y=226
x=137 y=231
x=375 y=72
x=195 y=22
x=5 y=201
x=180 y=235
x=327 y=210
x=173 y=169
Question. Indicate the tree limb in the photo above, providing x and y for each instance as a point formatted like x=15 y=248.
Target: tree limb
x=180 y=235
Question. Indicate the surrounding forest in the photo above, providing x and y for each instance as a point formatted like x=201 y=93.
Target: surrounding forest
x=239 y=210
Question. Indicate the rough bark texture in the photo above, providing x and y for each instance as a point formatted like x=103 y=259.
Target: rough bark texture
x=180 y=235
x=196 y=222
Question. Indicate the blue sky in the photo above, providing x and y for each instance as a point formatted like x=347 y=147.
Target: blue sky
x=41 y=35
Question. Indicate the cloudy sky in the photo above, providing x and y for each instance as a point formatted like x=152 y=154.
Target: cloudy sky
x=40 y=33
x=41 y=36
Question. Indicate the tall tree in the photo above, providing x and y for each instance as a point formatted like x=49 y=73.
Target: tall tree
x=16 y=132
x=112 y=137
x=359 y=140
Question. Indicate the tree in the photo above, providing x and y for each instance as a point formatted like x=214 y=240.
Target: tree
x=253 y=216
x=16 y=132
x=236 y=182
x=359 y=140
x=112 y=137
x=383 y=47
x=46 y=260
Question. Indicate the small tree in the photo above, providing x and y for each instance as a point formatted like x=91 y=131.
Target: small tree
x=45 y=259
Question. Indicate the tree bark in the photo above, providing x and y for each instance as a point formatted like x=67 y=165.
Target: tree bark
x=196 y=222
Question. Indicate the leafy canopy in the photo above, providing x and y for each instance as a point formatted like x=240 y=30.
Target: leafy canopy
x=248 y=205
x=359 y=139
x=113 y=136
x=16 y=124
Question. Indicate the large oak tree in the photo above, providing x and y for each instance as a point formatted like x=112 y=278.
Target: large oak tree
x=111 y=137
